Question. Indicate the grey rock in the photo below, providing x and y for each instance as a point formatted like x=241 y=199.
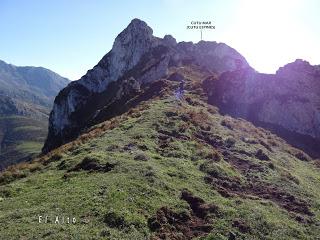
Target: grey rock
x=135 y=53
x=286 y=102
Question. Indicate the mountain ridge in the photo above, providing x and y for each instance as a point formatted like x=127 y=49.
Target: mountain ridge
x=286 y=102
x=148 y=151
x=136 y=54
x=26 y=98
x=139 y=58
x=169 y=167
x=32 y=84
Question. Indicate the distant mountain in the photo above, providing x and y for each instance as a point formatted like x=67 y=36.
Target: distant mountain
x=12 y=106
x=151 y=156
x=35 y=85
x=26 y=97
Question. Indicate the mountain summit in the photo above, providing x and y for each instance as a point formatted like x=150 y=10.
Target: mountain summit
x=137 y=58
x=36 y=85
x=149 y=145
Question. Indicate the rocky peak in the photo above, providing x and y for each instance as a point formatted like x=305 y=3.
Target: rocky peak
x=127 y=49
x=137 y=55
x=286 y=102
x=169 y=40
x=136 y=31
x=299 y=66
x=131 y=44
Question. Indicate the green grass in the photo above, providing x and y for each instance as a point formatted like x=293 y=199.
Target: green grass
x=26 y=128
x=21 y=138
x=117 y=204
x=29 y=147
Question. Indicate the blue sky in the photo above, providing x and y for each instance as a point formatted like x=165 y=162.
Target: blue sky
x=71 y=36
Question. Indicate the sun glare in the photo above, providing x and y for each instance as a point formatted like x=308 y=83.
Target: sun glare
x=268 y=33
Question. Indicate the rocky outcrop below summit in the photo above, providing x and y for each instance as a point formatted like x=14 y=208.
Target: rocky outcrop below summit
x=136 y=60
x=287 y=102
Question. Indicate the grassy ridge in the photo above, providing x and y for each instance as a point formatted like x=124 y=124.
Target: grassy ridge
x=168 y=169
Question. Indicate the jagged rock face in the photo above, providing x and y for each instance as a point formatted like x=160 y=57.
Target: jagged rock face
x=286 y=101
x=136 y=54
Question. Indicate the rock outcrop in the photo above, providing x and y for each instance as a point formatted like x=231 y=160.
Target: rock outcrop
x=287 y=102
x=137 y=58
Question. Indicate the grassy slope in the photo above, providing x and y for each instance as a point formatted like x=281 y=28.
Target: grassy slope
x=157 y=152
x=21 y=138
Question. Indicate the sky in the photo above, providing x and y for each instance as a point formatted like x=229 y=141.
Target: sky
x=71 y=36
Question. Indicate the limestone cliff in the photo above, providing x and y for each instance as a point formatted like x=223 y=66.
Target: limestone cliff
x=137 y=55
x=287 y=102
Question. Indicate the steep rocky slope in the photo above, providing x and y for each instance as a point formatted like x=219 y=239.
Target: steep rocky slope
x=287 y=102
x=137 y=150
x=136 y=58
x=171 y=167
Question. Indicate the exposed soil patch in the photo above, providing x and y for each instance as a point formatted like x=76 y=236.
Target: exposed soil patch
x=141 y=157
x=261 y=155
x=165 y=138
x=168 y=224
x=251 y=187
x=283 y=199
x=207 y=137
x=245 y=166
x=91 y=164
x=174 y=134
x=198 y=205
x=229 y=187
